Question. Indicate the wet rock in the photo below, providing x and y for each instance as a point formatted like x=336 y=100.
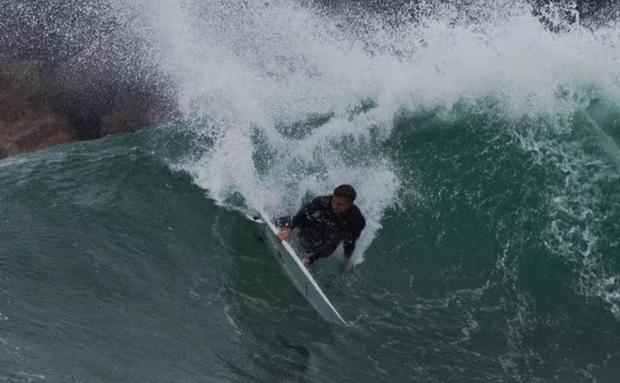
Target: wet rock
x=34 y=132
x=133 y=111
x=42 y=106
x=19 y=89
x=27 y=122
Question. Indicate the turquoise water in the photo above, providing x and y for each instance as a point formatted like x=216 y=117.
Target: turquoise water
x=116 y=267
x=490 y=184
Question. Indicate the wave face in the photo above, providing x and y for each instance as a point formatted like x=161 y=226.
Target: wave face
x=484 y=146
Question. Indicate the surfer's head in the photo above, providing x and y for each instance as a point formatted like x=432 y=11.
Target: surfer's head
x=343 y=198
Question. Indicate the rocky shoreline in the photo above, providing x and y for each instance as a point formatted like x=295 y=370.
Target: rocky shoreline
x=70 y=71
x=42 y=107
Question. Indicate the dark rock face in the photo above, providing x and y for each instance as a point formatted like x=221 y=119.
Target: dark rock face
x=70 y=70
x=594 y=11
x=18 y=83
x=41 y=108
x=135 y=110
x=26 y=120
x=35 y=132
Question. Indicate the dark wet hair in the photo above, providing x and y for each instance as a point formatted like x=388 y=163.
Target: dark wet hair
x=345 y=191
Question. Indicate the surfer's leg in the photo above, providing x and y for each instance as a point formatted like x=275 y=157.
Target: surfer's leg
x=314 y=248
x=314 y=256
x=319 y=252
x=309 y=259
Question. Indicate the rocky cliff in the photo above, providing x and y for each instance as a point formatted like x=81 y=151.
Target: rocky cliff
x=40 y=107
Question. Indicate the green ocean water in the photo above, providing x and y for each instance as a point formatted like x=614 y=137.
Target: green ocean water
x=483 y=146
x=116 y=266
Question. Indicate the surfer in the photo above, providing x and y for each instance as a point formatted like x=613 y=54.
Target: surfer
x=324 y=223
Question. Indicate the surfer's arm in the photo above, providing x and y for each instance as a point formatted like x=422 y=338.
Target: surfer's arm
x=350 y=239
x=305 y=212
x=300 y=218
x=349 y=246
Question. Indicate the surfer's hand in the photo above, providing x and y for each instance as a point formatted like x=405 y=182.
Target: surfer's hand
x=284 y=234
x=305 y=261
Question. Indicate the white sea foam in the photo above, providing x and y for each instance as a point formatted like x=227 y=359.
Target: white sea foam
x=246 y=69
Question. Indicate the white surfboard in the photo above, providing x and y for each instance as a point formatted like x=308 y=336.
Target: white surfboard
x=299 y=275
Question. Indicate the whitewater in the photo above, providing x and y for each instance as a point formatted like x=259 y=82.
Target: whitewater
x=484 y=147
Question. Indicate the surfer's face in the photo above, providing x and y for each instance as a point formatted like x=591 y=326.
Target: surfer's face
x=340 y=204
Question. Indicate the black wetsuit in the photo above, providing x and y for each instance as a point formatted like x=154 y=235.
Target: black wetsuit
x=322 y=230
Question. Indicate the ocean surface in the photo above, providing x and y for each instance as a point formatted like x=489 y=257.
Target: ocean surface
x=485 y=150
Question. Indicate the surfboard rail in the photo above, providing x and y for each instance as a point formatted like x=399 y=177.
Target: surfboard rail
x=295 y=269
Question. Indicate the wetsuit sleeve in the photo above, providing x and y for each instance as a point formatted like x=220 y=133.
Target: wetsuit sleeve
x=305 y=212
x=352 y=236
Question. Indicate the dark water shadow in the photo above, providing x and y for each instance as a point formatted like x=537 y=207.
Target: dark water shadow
x=277 y=329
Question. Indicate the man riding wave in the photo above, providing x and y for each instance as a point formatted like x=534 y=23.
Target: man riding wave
x=324 y=223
